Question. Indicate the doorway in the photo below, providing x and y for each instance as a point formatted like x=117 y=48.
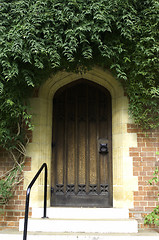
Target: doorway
x=82 y=146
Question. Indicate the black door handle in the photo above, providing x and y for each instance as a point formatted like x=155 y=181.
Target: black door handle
x=103 y=148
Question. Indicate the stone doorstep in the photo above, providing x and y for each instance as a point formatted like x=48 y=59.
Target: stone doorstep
x=83 y=220
x=141 y=235
x=84 y=226
x=82 y=213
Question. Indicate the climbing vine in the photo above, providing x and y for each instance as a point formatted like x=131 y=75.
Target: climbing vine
x=153 y=217
x=40 y=37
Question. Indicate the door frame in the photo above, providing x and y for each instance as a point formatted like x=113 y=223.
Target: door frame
x=124 y=183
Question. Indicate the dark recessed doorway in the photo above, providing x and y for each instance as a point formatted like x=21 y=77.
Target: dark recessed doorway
x=82 y=146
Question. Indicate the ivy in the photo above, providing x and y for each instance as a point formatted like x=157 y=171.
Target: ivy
x=39 y=37
x=153 y=217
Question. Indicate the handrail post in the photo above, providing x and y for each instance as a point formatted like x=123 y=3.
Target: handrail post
x=26 y=214
x=28 y=196
x=45 y=193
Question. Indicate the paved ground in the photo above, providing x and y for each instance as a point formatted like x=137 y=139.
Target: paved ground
x=141 y=235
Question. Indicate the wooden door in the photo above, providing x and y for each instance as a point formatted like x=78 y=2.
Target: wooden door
x=81 y=153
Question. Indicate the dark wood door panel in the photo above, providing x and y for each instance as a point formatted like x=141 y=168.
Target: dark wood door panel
x=81 y=176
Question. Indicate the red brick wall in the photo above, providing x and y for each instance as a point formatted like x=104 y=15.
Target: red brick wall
x=14 y=210
x=145 y=160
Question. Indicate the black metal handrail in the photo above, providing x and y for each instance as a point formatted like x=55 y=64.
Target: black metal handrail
x=28 y=196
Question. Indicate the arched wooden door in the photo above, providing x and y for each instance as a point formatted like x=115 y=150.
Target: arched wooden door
x=81 y=152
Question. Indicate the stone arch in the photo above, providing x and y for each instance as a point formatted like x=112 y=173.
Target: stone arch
x=124 y=183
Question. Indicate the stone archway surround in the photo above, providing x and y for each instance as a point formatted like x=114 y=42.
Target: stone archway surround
x=124 y=183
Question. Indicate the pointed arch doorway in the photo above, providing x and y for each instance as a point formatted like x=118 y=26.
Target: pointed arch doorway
x=81 y=174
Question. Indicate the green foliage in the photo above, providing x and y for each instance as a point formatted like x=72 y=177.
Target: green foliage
x=40 y=37
x=14 y=119
x=153 y=217
x=5 y=192
x=155 y=179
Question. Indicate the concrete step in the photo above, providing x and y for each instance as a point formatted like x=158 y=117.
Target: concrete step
x=82 y=213
x=83 y=220
x=141 y=235
x=81 y=225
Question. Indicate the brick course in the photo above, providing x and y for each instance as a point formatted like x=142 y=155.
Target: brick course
x=145 y=161
x=14 y=210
